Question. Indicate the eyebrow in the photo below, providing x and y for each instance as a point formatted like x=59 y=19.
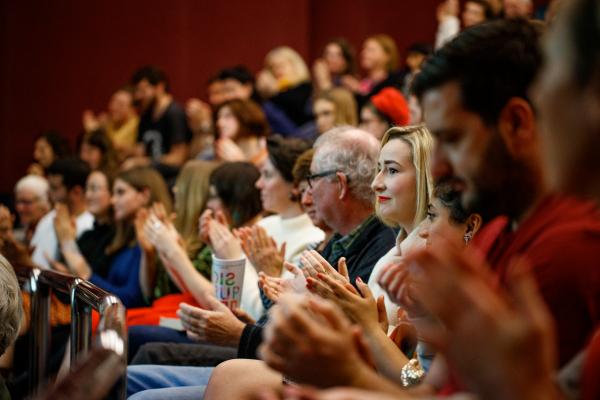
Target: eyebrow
x=387 y=162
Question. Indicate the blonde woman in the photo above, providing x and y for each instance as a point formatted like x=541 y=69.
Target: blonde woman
x=285 y=85
x=334 y=107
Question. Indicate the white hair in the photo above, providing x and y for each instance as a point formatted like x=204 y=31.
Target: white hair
x=11 y=308
x=37 y=184
x=353 y=152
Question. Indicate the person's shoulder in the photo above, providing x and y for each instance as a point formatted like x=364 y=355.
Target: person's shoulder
x=269 y=222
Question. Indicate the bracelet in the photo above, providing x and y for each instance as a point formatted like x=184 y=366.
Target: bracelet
x=412 y=373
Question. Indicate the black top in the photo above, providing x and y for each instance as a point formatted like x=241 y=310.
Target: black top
x=170 y=129
x=93 y=245
x=394 y=79
x=295 y=103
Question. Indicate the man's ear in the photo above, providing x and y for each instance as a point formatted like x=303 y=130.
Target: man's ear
x=76 y=192
x=343 y=185
x=517 y=127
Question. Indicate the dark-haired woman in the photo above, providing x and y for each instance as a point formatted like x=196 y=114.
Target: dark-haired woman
x=241 y=129
x=98 y=152
x=48 y=147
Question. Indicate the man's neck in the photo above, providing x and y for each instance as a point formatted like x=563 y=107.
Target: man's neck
x=162 y=102
x=76 y=208
x=353 y=219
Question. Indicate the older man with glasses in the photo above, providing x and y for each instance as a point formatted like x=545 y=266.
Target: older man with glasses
x=342 y=169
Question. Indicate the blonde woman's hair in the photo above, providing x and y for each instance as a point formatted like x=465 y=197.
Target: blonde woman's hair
x=345 y=105
x=140 y=178
x=389 y=47
x=191 y=194
x=301 y=73
x=421 y=144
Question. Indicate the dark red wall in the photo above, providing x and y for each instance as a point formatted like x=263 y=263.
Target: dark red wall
x=59 y=57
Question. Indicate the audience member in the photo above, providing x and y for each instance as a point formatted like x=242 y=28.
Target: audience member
x=48 y=147
x=384 y=110
x=31 y=203
x=337 y=63
x=416 y=54
x=285 y=85
x=163 y=133
x=334 y=107
x=11 y=312
x=98 y=152
x=120 y=122
x=476 y=12
x=133 y=190
x=241 y=128
x=454 y=90
x=379 y=60
x=87 y=253
x=67 y=180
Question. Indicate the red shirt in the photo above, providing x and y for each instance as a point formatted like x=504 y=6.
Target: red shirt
x=561 y=242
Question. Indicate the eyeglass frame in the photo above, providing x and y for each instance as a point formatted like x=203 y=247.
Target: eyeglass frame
x=319 y=175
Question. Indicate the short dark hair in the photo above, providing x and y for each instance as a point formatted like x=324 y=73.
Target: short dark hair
x=283 y=153
x=58 y=143
x=74 y=172
x=234 y=183
x=238 y=73
x=302 y=166
x=152 y=74
x=451 y=199
x=491 y=62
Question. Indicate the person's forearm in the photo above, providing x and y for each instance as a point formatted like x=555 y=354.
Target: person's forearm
x=199 y=287
x=176 y=157
x=389 y=359
x=368 y=379
x=74 y=259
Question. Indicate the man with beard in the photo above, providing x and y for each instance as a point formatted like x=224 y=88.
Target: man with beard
x=474 y=94
x=163 y=133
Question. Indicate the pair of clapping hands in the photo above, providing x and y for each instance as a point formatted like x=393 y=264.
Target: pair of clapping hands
x=155 y=231
x=312 y=342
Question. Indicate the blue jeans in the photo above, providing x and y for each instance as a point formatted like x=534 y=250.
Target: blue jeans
x=142 y=334
x=167 y=382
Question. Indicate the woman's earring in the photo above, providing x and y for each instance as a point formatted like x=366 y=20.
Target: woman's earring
x=468 y=236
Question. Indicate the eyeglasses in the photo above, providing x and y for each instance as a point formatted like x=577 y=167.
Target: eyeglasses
x=313 y=177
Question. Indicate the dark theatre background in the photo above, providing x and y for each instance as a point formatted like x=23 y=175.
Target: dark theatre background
x=58 y=58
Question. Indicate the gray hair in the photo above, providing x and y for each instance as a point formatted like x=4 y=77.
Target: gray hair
x=353 y=152
x=36 y=184
x=11 y=307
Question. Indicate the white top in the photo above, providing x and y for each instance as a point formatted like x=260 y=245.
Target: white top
x=44 y=239
x=447 y=30
x=412 y=241
x=297 y=233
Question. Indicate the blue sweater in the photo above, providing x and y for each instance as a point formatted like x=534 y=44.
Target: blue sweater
x=123 y=278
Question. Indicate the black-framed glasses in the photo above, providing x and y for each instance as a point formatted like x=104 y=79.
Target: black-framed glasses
x=313 y=177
